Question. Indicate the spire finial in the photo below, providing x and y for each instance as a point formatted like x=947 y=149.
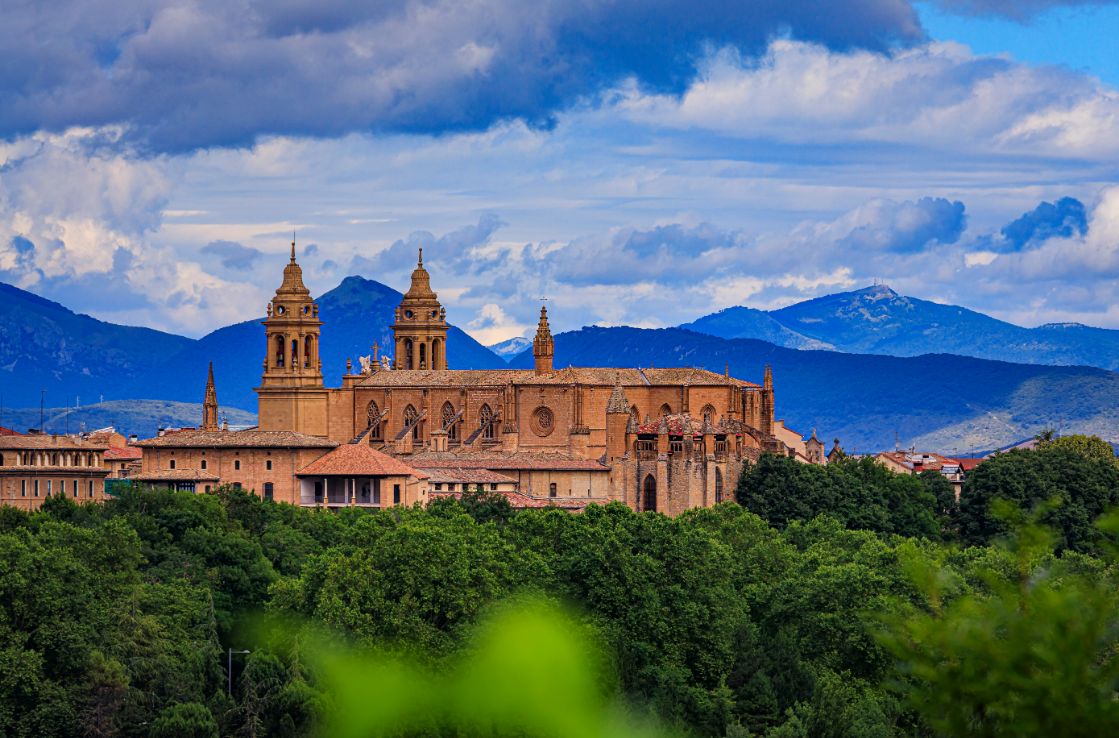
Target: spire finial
x=293 y=247
x=420 y=265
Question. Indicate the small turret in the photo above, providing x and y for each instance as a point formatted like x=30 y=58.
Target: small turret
x=767 y=402
x=617 y=420
x=543 y=347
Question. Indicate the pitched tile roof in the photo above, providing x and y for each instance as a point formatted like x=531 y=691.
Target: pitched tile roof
x=48 y=471
x=517 y=460
x=123 y=453
x=969 y=463
x=358 y=460
x=600 y=376
x=49 y=442
x=235 y=439
x=9 y=432
x=447 y=475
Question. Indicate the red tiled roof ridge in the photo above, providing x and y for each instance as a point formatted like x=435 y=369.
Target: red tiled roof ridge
x=121 y=453
x=596 y=376
x=358 y=459
x=236 y=439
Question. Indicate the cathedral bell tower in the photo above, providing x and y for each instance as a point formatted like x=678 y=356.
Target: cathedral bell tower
x=420 y=329
x=543 y=347
x=291 y=395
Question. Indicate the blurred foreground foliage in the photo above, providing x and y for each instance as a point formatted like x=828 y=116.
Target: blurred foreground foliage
x=807 y=617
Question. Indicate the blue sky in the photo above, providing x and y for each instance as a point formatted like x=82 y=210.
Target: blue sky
x=639 y=161
x=1081 y=37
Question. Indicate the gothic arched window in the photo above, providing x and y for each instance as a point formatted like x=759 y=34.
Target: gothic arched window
x=709 y=414
x=666 y=409
x=410 y=419
x=718 y=486
x=373 y=415
x=649 y=501
x=448 y=417
x=485 y=420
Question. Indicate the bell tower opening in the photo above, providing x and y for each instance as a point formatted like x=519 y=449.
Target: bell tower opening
x=420 y=328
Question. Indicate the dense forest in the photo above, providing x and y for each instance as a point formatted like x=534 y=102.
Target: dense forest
x=828 y=601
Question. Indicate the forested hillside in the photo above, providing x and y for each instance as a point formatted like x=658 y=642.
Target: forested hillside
x=833 y=601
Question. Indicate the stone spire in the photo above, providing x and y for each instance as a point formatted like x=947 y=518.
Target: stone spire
x=421 y=281
x=617 y=402
x=210 y=404
x=543 y=347
x=293 y=278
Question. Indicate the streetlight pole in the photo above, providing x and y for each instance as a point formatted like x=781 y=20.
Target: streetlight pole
x=229 y=668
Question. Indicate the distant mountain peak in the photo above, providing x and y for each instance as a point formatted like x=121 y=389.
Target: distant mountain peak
x=879 y=291
x=511 y=347
x=1062 y=326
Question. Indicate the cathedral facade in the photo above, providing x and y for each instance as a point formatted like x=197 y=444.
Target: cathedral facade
x=655 y=438
x=664 y=439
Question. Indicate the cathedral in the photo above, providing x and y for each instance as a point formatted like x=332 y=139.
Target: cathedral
x=664 y=439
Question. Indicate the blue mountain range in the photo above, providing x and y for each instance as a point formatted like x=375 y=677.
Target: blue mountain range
x=829 y=369
x=877 y=320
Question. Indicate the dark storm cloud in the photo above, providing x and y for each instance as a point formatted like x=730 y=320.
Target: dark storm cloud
x=1019 y=10
x=223 y=72
x=1062 y=219
x=233 y=255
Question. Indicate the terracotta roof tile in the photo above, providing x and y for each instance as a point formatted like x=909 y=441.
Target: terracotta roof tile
x=235 y=439
x=601 y=376
x=358 y=459
x=527 y=460
x=47 y=442
x=969 y=463
x=447 y=475
x=123 y=453
x=47 y=471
